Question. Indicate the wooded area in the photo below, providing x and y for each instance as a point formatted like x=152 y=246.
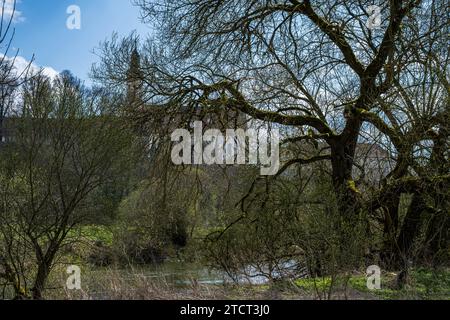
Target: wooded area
x=363 y=114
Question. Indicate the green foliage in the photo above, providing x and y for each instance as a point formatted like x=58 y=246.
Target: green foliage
x=97 y=233
x=423 y=284
x=67 y=147
x=151 y=221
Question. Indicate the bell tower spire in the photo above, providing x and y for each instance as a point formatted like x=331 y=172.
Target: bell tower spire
x=134 y=79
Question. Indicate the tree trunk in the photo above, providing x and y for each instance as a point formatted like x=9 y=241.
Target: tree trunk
x=342 y=158
x=41 y=279
x=45 y=262
x=410 y=229
x=390 y=229
x=437 y=238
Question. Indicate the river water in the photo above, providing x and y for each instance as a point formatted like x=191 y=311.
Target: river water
x=180 y=273
x=174 y=274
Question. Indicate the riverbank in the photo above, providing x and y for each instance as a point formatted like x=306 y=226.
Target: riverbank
x=178 y=279
x=168 y=284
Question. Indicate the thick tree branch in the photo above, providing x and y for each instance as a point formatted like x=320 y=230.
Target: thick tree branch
x=332 y=32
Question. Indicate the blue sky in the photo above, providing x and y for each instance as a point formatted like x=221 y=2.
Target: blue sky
x=41 y=30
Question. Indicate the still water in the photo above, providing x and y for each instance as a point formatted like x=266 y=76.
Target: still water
x=180 y=273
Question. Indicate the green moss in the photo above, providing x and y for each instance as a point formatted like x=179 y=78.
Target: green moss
x=311 y=284
x=362 y=111
x=352 y=186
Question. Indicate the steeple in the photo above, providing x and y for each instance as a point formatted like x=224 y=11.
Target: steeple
x=134 y=79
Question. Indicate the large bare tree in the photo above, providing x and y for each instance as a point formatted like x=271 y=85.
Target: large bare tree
x=317 y=68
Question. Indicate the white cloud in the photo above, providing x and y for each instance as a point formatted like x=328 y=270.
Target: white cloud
x=21 y=64
x=8 y=11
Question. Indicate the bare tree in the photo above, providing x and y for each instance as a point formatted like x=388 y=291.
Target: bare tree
x=66 y=144
x=10 y=78
x=315 y=68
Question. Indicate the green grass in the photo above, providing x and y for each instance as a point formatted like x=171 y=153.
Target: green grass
x=96 y=233
x=359 y=283
x=311 y=285
x=423 y=284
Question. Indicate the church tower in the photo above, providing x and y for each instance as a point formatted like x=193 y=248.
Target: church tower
x=135 y=80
